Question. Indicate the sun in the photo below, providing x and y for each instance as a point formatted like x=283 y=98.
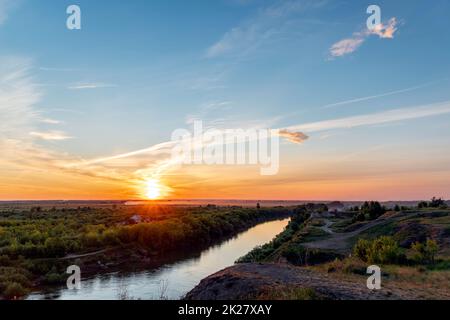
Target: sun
x=153 y=189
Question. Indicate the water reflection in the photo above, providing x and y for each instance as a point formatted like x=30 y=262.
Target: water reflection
x=171 y=281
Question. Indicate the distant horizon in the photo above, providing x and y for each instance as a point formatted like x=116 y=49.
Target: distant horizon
x=211 y=199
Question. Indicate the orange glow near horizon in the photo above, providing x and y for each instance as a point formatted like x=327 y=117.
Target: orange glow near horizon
x=238 y=183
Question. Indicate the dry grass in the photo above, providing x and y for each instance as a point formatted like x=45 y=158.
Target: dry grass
x=289 y=293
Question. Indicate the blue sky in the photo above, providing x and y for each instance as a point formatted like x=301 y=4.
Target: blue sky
x=137 y=70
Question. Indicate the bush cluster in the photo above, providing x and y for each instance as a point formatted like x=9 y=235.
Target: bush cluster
x=384 y=250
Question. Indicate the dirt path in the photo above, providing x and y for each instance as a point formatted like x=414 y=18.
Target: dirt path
x=339 y=242
x=89 y=254
x=249 y=280
x=326 y=227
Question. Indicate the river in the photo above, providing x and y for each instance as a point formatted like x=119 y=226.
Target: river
x=171 y=281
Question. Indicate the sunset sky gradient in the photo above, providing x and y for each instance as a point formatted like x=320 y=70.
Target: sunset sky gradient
x=89 y=114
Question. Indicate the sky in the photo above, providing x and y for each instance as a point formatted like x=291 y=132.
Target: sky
x=89 y=113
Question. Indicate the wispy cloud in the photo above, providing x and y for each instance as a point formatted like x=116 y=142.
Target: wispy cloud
x=97 y=85
x=376 y=118
x=50 y=135
x=346 y=46
x=19 y=117
x=50 y=121
x=18 y=95
x=296 y=133
x=349 y=45
x=56 y=69
x=386 y=94
x=256 y=31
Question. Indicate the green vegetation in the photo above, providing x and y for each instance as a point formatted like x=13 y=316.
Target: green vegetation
x=288 y=245
x=33 y=242
x=425 y=252
x=368 y=211
x=265 y=251
x=412 y=245
x=298 y=255
x=384 y=250
x=434 y=203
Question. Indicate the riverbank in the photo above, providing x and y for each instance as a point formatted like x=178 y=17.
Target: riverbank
x=37 y=245
x=171 y=280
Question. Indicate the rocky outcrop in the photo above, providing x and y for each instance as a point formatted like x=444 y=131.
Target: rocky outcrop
x=247 y=281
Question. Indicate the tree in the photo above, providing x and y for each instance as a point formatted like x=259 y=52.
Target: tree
x=422 y=204
x=425 y=252
x=373 y=209
x=436 y=203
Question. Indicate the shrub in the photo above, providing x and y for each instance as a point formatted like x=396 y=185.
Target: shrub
x=362 y=249
x=425 y=252
x=381 y=250
x=299 y=255
x=14 y=290
x=54 y=278
x=359 y=217
x=348 y=265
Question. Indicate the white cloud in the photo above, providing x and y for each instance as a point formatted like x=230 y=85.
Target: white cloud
x=50 y=135
x=18 y=95
x=349 y=45
x=376 y=118
x=50 y=121
x=19 y=117
x=346 y=46
x=81 y=86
